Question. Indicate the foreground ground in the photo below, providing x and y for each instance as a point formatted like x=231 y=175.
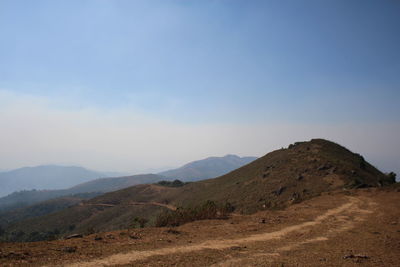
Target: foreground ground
x=357 y=228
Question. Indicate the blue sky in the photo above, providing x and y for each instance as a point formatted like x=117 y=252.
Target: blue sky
x=206 y=64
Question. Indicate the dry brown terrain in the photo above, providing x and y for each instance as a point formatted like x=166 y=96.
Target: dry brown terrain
x=352 y=228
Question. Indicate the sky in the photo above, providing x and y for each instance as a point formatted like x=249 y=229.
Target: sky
x=133 y=86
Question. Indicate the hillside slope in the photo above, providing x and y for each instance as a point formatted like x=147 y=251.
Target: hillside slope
x=284 y=176
x=102 y=185
x=207 y=168
x=201 y=169
x=276 y=180
x=115 y=183
x=42 y=208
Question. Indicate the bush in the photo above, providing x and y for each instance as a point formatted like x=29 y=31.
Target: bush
x=175 y=183
x=363 y=165
x=90 y=231
x=207 y=210
x=392 y=177
x=141 y=222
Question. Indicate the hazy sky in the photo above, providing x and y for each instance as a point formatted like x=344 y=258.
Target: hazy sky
x=133 y=85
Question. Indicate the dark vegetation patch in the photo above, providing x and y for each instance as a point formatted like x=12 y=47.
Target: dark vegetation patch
x=139 y=222
x=391 y=176
x=175 y=183
x=207 y=210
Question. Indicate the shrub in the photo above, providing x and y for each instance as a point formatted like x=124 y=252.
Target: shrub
x=392 y=177
x=175 y=183
x=90 y=231
x=362 y=163
x=141 y=222
x=207 y=210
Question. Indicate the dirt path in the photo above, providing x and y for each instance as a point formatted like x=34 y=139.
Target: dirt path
x=344 y=217
x=170 y=207
x=334 y=222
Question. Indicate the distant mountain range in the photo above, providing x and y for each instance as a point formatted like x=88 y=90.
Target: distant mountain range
x=207 y=168
x=99 y=186
x=45 y=177
x=197 y=170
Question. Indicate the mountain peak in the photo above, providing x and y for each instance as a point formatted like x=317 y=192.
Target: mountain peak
x=207 y=168
x=231 y=156
x=44 y=177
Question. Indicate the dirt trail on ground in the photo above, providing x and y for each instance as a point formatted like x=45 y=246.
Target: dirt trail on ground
x=170 y=207
x=343 y=218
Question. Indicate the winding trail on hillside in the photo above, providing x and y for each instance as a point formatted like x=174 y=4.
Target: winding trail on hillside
x=134 y=203
x=342 y=219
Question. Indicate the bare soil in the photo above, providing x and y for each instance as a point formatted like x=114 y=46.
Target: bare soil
x=348 y=228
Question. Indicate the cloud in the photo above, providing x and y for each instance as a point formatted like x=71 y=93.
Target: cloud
x=34 y=131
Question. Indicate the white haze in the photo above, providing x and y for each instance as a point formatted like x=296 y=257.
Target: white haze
x=34 y=132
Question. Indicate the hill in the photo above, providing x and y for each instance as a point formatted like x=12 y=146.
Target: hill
x=207 y=168
x=201 y=169
x=301 y=171
x=26 y=198
x=115 y=183
x=43 y=208
x=44 y=177
x=280 y=178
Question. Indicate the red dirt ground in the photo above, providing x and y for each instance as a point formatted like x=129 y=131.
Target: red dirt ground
x=351 y=228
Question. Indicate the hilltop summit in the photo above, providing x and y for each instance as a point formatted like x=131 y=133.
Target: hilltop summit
x=284 y=176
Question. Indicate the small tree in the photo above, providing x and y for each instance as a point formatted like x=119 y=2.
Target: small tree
x=139 y=221
x=392 y=177
x=362 y=163
x=177 y=183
